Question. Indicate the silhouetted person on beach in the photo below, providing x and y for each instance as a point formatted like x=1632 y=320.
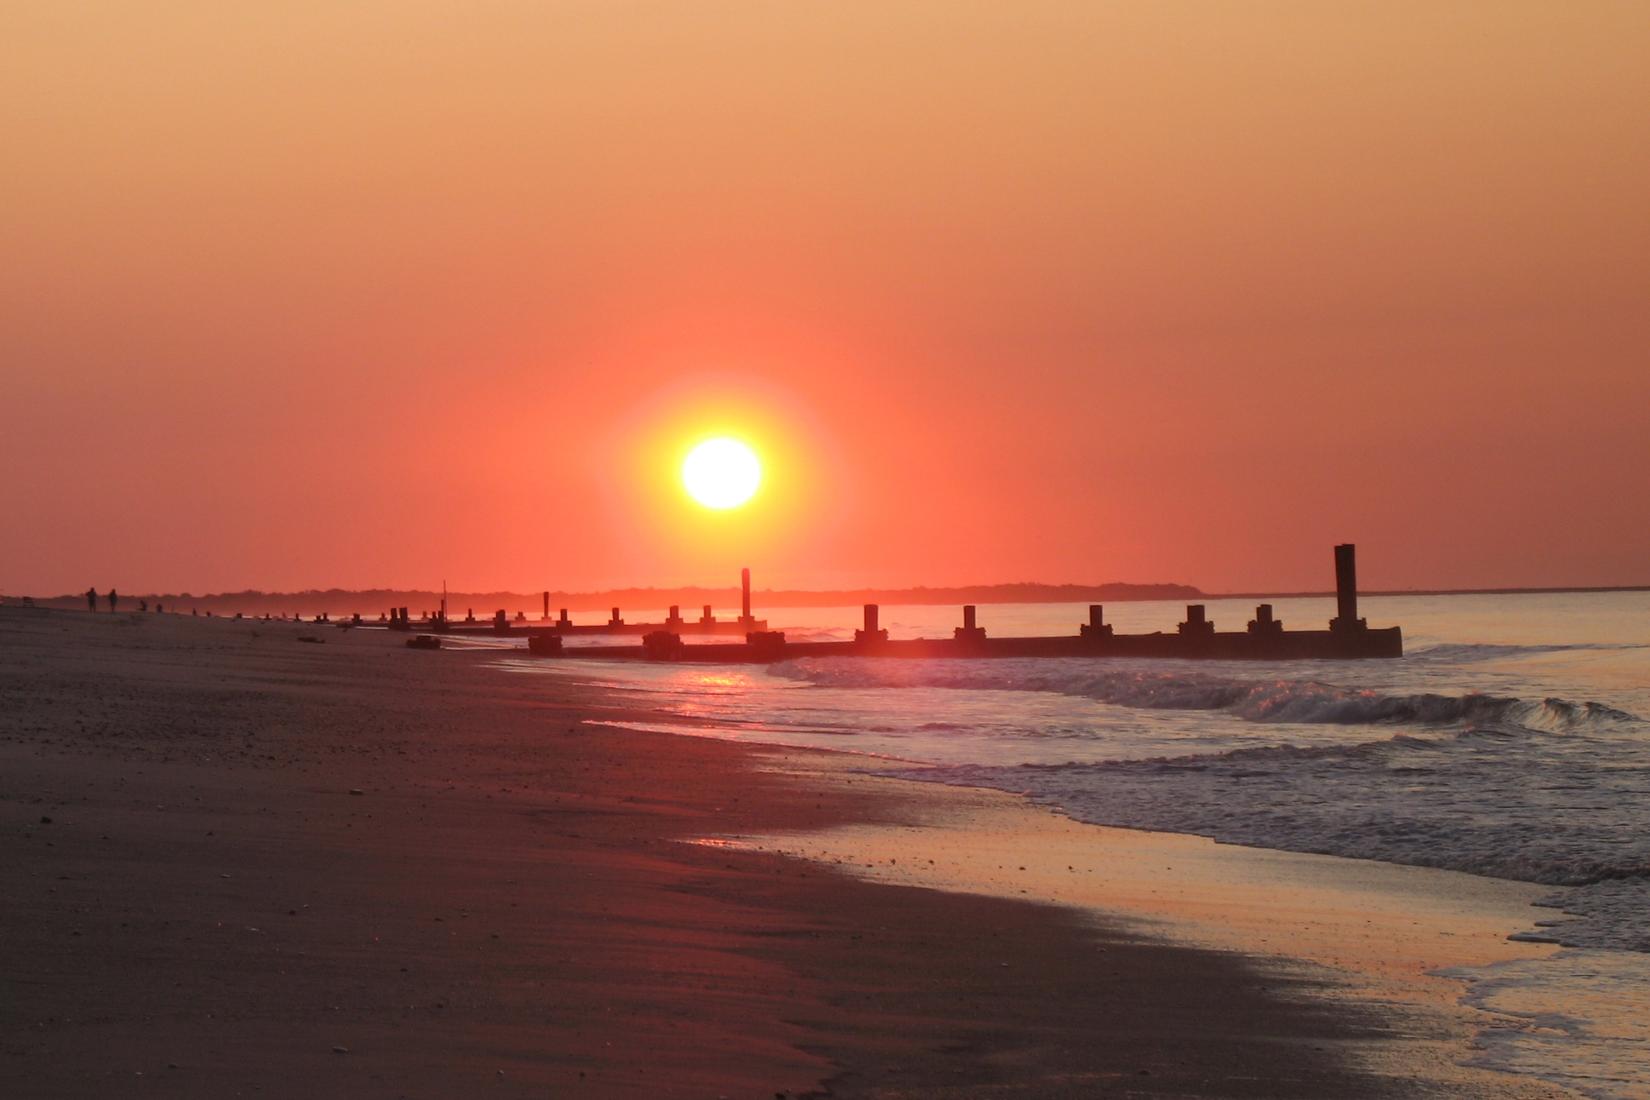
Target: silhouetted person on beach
x=113 y=599
x=143 y=605
x=91 y=599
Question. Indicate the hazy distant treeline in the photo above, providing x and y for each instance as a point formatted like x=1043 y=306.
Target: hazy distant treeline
x=370 y=602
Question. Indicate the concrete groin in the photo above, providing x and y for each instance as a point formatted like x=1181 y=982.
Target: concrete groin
x=1263 y=638
x=502 y=625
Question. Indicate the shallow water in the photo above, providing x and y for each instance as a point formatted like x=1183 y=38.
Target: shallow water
x=1512 y=741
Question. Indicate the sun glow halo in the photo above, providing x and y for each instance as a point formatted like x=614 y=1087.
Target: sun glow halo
x=721 y=473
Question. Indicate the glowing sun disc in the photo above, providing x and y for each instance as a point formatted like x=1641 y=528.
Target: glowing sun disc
x=721 y=473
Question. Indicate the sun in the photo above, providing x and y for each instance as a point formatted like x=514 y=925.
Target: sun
x=721 y=473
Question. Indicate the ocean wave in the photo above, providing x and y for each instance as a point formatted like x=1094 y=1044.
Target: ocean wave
x=1263 y=700
x=1363 y=801
x=1462 y=653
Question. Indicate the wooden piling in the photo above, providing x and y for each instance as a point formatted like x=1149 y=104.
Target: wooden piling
x=1263 y=622
x=1096 y=628
x=872 y=634
x=969 y=632
x=1346 y=589
x=1196 y=625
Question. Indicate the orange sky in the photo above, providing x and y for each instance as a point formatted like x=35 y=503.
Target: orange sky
x=389 y=292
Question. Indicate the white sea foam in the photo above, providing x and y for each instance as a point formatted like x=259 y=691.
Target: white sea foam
x=1134 y=684
x=1577 y=1018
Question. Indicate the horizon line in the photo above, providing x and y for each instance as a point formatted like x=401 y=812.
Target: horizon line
x=817 y=594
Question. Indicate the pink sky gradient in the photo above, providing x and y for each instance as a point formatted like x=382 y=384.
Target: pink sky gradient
x=386 y=293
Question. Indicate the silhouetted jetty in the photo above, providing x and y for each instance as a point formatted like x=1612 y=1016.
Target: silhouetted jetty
x=502 y=625
x=1263 y=638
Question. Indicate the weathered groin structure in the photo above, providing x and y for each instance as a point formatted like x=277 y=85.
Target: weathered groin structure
x=501 y=625
x=1263 y=637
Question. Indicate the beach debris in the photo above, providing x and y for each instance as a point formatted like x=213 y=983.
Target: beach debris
x=356 y=790
x=44 y=820
x=340 y=1050
x=312 y=639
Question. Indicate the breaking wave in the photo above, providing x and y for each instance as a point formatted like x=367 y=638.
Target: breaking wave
x=1258 y=700
x=1483 y=802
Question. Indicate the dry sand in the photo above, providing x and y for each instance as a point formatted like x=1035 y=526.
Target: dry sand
x=197 y=902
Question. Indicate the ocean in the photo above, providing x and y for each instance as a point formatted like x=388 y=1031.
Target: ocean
x=1511 y=741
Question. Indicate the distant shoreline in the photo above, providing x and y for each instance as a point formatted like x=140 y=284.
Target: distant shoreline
x=726 y=600
x=722 y=600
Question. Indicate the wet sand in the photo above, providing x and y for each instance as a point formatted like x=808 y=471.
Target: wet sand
x=237 y=864
x=1373 y=932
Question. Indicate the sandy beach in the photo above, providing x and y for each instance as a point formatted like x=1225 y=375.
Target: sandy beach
x=240 y=864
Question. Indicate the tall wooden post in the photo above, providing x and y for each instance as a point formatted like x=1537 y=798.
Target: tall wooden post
x=969 y=633
x=1346 y=588
x=872 y=634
